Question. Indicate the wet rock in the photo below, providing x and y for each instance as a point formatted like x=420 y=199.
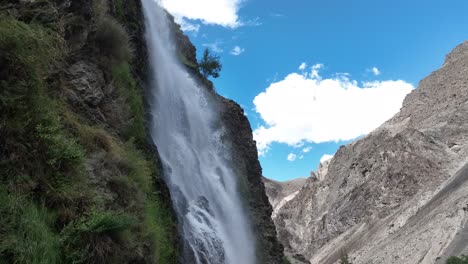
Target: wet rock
x=247 y=166
x=87 y=82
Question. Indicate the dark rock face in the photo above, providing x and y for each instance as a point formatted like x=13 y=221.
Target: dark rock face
x=373 y=201
x=245 y=160
x=87 y=82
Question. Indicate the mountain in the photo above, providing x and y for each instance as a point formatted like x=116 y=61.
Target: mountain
x=399 y=194
x=281 y=192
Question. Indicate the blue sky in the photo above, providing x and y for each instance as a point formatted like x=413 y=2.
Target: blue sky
x=360 y=59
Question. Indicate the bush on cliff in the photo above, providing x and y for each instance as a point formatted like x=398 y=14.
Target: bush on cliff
x=111 y=38
x=210 y=64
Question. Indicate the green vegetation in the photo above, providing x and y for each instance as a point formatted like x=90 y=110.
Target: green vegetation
x=158 y=222
x=210 y=64
x=457 y=260
x=112 y=40
x=131 y=93
x=73 y=190
x=344 y=258
x=185 y=61
x=91 y=239
x=25 y=229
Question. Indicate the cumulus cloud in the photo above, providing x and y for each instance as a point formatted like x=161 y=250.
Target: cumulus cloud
x=236 y=51
x=292 y=157
x=187 y=26
x=325 y=157
x=306 y=108
x=315 y=71
x=375 y=71
x=302 y=66
x=307 y=149
x=214 y=12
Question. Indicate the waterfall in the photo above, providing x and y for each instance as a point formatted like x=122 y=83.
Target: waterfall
x=186 y=128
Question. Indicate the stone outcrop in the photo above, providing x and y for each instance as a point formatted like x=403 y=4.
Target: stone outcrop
x=247 y=167
x=398 y=195
x=281 y=192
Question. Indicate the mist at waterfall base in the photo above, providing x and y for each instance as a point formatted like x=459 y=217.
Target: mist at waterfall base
x=187 y=132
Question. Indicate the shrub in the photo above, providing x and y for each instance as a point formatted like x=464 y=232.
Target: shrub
x=112 y=40
x=92 y=239
x=457 y=260
x=61 y=149
x=209 y=64
x=344 y=258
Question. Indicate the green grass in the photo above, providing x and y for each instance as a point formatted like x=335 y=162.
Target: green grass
x=26 y=234
x=131 y=92
x=141 y=169
x=158 y=223
x=93 y=238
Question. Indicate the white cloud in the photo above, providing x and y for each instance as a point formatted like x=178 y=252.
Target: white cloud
x=325 y=157
x=236 y=51
x=315 y=71
x=375 y=71
x=307 y=149
x=214 y=12
x=302 y=66
x=215 y=46
x=306 y=108
x=292 y=157
x=188 y=26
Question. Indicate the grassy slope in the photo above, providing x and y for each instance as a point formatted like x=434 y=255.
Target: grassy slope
x=51 y=210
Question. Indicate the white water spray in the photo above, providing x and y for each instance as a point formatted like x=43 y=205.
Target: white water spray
x=186 y=130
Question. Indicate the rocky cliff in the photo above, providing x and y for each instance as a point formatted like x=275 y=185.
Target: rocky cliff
x=279 y=193
x=80 y=180
x=247 y=166
x=398 y=195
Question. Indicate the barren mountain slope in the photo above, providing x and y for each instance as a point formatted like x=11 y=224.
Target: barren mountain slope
x=280 y=192
x=398 y=195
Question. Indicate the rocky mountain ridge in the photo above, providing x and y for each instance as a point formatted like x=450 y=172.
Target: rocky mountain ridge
x=397 y=195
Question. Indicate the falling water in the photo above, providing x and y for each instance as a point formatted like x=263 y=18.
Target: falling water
x=186 y=130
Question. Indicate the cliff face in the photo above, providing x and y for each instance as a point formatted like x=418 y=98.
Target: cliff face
x=247 y=166
x=79 y=183
x=279 y=193
x=397 y=195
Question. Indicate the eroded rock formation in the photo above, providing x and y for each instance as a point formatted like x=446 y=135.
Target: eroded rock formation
x=398 y=195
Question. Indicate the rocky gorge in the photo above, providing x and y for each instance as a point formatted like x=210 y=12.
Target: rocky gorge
x=397 y=195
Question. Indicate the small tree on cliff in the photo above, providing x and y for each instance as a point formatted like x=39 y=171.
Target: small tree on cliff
x=209 y=64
